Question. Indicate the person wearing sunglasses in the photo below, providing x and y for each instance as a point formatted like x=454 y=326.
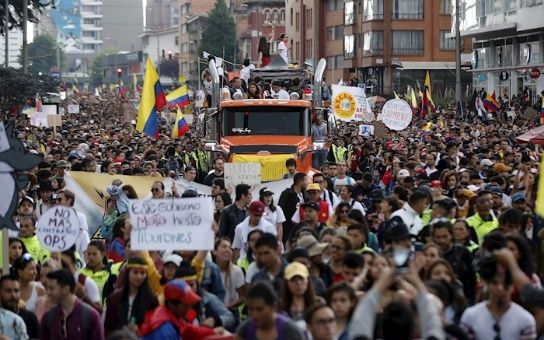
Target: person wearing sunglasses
x=157 y=190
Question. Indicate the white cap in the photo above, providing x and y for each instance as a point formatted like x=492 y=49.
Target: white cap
x=486 y=162
x=172 y=258
x=403 y=173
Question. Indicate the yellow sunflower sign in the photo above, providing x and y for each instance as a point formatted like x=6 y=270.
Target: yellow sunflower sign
x=349 y=103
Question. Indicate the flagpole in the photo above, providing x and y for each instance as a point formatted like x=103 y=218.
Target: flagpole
x=6 y=32
x=458 y=98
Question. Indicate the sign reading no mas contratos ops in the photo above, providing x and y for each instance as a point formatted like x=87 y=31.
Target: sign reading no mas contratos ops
x=58 y=228
x=172 y=224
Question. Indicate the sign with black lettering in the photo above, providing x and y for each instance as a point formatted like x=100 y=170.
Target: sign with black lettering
x=58 y=228
x=172 y=224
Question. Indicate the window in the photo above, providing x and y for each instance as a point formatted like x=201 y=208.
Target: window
x=446 y=43
x=407 y=9
x=267 y=15
x=282 y=16
x=335 y=32
x=408 y=42
x=373 y=43
x=330 y=63
x=297 y=50
x=275 y=16
x=349 y=13
x=349 y=46
x=297 y=22
x=334 y=5
x=373 y=10
x=339 y=62
x=446 y=7
x=533 y=2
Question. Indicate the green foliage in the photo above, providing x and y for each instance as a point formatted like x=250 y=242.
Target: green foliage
x=220 y=32
x=97 y=75
x=16 y=13
x=16 y=88
x=42 y=55
x=169 y=68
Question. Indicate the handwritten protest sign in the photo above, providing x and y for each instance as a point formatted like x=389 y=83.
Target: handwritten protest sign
x=350 y=103
x=396 y=114
x=73 y=108
x=237 y=173
x=366 y=130
x=172 y=224
x=58 y=228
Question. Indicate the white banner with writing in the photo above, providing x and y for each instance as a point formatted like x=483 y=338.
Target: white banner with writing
x=172 y=224
x=349 y=103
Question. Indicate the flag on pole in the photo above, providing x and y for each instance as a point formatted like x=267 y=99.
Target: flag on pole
x=178 y=98
x=480 y=106
x=427 y=105
x=152 y=101
x=427 y=86
x=490 y=103
x=396 y=95
x=180 y=126
x=413 y=98
x=539 y=208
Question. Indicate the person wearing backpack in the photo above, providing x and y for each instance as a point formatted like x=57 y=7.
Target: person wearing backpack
x=71 y=318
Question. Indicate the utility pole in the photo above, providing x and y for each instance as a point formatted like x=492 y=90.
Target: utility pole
x=25 y=32
x=6 y=33
x=458 y=97
x=179 y=39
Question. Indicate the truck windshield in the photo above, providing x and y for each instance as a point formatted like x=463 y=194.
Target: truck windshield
x=288 y=121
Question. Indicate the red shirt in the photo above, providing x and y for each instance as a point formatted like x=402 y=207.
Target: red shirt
x=323 y=215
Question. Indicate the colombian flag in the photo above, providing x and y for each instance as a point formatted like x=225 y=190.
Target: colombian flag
x=152 y=101
x=490 y=103
x=178 y=98
x=427 y=104
x=180 y=126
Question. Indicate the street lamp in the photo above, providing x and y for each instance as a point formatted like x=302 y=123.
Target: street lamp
x=119 y=74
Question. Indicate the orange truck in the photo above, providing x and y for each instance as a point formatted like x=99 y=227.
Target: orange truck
x=266 y=131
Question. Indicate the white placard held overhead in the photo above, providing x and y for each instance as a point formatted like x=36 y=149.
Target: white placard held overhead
x=172 y=224
x=396 y=114
x=73 y=108
x=58 y=228
x=349 y=103
x=237 y=173
x=366 y=130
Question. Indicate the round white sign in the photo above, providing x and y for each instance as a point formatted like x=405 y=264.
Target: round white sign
x=57 y=228
x=396 y=114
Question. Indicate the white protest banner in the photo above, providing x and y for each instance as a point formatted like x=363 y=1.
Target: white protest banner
x=366 y=130
x=237 y=173
x=39 y=119
x=50 y=109
x=396 y=114
x=73 y=108
x=349 y=103
x=58 y=228
x=4 y=142
x=172 y=224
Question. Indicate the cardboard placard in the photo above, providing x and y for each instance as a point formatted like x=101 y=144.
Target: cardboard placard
x=396 y=114
x=58 y=228
x=237 y=173
x=172 y=224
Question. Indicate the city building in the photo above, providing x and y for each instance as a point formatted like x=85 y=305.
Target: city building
x=122 y=23
x=128 y=63
x=15 y=43
x=384 y=44
x=256 y=19
x=162 y=14
x=508 y=43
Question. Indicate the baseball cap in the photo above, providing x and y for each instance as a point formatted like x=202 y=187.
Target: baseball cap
x=265 y=192
x=311 y=204
x=436 y=184
x=501 y=167
x=396 y=230
x=486 y=162
x=311 y=244
x=494 y=189
x=172 y=258
x=313 y=186
x=26 y=198
x=179 y=290
x=257 y=208
x=518 y=196
x=403 y=173
x=296 y=269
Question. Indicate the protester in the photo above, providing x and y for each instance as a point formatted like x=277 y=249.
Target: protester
x=9 y=299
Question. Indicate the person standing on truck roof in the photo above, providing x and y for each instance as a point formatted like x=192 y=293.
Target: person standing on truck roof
x=264 y=50
x=278 y=92
x=282 y=48
x=245 y=72
x=319 y=133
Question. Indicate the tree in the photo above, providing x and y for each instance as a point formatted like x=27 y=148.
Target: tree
x=97 y=74
x=219 y=37
x=169 y=68
x=42 y=55
x=16 y=88
x=16 y=13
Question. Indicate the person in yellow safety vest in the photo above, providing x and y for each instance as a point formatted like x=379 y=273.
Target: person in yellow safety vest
x=189 y=156
x=337 y=152
x=484 y=220
x=203 y=159
x=358 y=234
x=461 y=234
x=99 y=269
x=27 y=234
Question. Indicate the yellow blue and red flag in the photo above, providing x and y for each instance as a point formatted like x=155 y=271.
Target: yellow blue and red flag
x=180 y=126
x=152 y=101
x=490 y=103
x=178 y=98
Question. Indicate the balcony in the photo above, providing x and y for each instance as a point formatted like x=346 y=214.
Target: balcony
x=91 y=15
x=92 y=2
x=87 y=27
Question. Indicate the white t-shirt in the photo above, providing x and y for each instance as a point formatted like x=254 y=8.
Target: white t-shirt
x=339 y=183
x=282 y=51
x=91 y=289
x=245 y=72
x=252 y=270
x=274 y=217
x=236 y=281
x=83 y=238
x=242 y=231
x=357 y=206
x=515 y=323
x=281 y=94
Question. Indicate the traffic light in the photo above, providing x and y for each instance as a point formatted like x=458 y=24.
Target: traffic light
x=119 y=73
x=169 y=55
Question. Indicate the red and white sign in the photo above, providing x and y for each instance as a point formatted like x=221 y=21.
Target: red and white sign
x=535 y=73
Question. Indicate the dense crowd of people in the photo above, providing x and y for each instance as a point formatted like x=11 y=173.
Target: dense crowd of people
x=424 y=233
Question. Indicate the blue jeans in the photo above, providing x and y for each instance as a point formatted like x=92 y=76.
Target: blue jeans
x=318 y=158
